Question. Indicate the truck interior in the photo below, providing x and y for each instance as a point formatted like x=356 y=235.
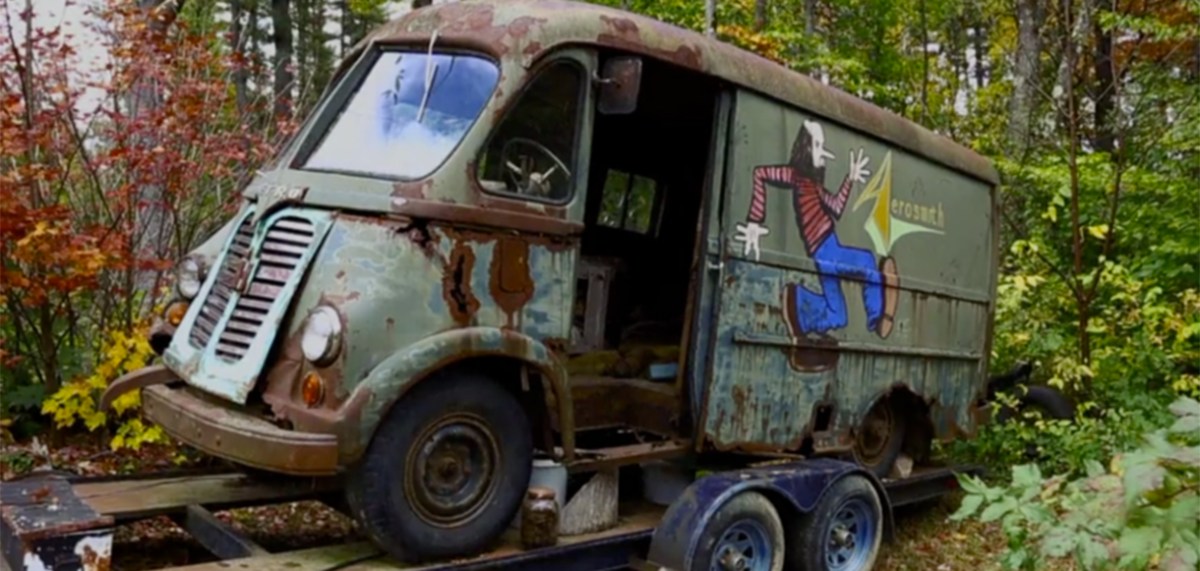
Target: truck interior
x=637 y=262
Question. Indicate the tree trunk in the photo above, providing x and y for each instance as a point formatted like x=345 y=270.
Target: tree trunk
x=810 y=17
x=281 y=22
x=760 y=15
x=980 y=55
x=237 y=40
x=1106 y=88
x=1030 y=16
x=710 y=18
x=151 y=233
x=924 y=65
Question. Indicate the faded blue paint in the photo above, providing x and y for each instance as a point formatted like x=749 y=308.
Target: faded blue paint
x=793 y=488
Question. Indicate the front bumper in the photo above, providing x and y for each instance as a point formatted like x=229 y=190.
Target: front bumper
x=203 y=422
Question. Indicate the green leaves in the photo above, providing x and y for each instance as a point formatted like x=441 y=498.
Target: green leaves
x=1145 y=511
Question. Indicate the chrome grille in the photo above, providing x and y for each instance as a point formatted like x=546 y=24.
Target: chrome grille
x=214 y=305
x=283 y=248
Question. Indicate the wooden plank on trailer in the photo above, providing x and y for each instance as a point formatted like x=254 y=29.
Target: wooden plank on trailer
x=363 y=556
x=218 y=538
x=125 y=500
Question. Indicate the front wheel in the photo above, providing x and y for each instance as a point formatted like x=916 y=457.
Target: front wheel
x=843 y=533
x=745 y=534
x=446 y=470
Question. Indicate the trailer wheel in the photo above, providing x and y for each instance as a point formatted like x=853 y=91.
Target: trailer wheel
x=1048 y=401
x=880 y=438
x=445 y=471
x=745 y=534
x=844 y=531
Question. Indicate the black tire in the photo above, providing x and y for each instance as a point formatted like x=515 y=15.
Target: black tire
x=391 y=493
x=1053 y=405
x=749 y=520
x=812 y=546
x=880 y=438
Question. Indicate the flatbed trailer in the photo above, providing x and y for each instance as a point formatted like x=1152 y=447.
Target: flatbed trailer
x=67 y=523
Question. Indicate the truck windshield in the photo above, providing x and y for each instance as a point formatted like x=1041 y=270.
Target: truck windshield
x=408 y=114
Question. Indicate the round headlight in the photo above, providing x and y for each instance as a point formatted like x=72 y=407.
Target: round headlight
x=188 y=278
x=321 y=338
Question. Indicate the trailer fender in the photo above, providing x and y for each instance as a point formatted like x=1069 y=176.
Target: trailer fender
x=794 y=489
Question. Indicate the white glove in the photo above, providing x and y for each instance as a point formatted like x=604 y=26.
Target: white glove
x=749 y=234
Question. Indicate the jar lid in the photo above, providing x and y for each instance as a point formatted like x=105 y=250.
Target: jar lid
x=540 y=493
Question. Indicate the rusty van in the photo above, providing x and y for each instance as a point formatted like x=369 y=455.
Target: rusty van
x=547 y=229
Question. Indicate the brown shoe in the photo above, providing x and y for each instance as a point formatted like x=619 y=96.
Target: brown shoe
x=891 y=295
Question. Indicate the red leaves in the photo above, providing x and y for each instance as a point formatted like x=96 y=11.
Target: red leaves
x=87 y=161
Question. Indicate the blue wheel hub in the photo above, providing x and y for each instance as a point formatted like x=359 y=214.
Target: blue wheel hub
x=745 y=546
x=850 y=536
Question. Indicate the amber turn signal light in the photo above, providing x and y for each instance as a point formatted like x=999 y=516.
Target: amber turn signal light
x=312 y=389
x=175 y=312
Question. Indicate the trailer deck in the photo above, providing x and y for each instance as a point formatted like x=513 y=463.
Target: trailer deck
x=61 y=523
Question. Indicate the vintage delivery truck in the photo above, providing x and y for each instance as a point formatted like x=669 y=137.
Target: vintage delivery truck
x=524 y=229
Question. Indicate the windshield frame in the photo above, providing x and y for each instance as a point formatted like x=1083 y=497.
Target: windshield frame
x=327 y=113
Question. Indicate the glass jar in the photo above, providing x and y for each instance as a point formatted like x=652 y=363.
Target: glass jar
x=539 y=518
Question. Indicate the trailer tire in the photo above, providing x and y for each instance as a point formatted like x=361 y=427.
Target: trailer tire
x=746 y=527
x=1052 y=403
x=843 y=532
x=445 y=471
x=879 y=439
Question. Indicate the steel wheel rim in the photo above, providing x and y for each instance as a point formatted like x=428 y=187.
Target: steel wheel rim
x=875 y=434
x=450 y=472
x=849 y=536
x=745 y=546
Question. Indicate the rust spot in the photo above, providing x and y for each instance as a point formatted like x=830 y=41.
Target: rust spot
x=739 y=401
x=511 y=283
x=92 y=561
x=456 y=284
x=490 y=214
x=408 y=189
x=556 y=345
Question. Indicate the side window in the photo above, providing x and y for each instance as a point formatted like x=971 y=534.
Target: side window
x=532 y=152
x=628 y=202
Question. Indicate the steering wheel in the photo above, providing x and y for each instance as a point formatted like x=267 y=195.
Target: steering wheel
x=524 y=177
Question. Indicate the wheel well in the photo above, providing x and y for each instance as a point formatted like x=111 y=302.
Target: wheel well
x=507 y=372
x=916 y=414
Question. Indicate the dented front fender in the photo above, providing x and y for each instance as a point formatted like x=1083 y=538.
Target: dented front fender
x=387 y=383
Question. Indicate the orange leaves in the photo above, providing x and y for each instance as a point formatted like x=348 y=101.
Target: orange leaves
x=49 y=260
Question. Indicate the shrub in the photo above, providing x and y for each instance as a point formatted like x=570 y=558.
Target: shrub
x=1144 y=510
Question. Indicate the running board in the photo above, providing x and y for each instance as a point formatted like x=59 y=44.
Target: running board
x=595 y=460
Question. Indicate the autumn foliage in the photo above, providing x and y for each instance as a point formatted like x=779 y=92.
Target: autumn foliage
x=108 y=174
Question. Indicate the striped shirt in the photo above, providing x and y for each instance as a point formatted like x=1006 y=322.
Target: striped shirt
x=816 y=209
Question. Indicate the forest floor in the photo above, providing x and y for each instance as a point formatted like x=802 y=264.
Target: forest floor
x=926 y=539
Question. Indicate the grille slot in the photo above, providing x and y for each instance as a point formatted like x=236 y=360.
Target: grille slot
x=218 y=298
x=286 y=242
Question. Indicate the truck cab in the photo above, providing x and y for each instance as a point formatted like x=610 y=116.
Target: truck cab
x=543 y=229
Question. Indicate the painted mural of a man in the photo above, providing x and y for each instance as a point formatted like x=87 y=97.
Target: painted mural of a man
x=817 y=210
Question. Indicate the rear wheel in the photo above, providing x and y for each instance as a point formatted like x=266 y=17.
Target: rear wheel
x=745 y=534
x=844 y=531
x=1047 y=401
x=445 y=471
x=880 y=438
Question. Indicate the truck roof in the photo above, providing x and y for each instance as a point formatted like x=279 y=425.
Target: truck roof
x=531 y=28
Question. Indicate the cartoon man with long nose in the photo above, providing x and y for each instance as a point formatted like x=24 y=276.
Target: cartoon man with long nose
x=817 y=209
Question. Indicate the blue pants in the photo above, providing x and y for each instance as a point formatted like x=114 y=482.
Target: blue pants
x=818 y=312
